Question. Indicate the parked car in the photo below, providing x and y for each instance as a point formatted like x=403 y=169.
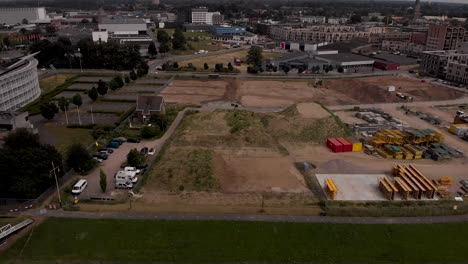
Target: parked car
x=137 y=171
x=121 y=140
x=141 y=166
x=100 y=156
x=151 y=151
x=79 y=186
x=109 y=150
x=464 y=183
x=98 y=159
x=113 y=144
x=133 y=140
x=123 y=185
x=144 y=151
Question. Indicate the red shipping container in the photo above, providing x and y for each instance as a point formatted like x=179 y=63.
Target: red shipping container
x=334 y=145
x=346 y=145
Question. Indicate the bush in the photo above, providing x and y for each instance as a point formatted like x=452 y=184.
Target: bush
x=150 y=131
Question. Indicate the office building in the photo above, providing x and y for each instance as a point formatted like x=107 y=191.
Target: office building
x=19 y=84
x=202 y=16
x=12 y=16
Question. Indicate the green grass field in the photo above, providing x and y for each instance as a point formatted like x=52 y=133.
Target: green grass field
x=137 y=241
x=50 y=83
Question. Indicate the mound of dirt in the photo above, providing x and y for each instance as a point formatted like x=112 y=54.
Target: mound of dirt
x=312 y=110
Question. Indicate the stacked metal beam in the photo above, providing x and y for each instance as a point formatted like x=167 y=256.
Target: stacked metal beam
x=331 y=188
x=418 y=184
x=387 y=187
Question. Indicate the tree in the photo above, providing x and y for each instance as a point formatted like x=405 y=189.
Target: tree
x=230 y=67
x=127 y=79
x=219 y=67
x=133 y=75
x=340 y=69
x=102 y=180
x=76 y=100
x=286 y=69
x=160 y=120
x=254 y=57
x=374 y=19
x=205 y=66
x=26 y=165
x=355 y=18
x=63 y=104
x=143 y=67
x=93 y=94
x=113 y=85
x=24 y=21
x=119 y=81
x=50 y=29
x=150 y=131
x=152 y=51
x=85 y=21
x=162 y=36
x=175 y=65
x=134 y=158
x=178 y=40
x=455 y=23
x=48 y=110
x=77 y=157
x=164 y=48
x=102 y=87
x=6 y=41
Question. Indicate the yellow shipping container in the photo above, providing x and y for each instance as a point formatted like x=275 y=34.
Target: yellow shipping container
x=357 y=145
x=454 y=126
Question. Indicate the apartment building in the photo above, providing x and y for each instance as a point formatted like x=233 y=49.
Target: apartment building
x=202 y=16
x=19 y=84
x=317 y=33
x=443 y=37
x=435 y=63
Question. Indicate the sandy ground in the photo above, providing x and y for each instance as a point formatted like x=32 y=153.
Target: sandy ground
x=348 y=117
x=312 y=110
x=258 y=174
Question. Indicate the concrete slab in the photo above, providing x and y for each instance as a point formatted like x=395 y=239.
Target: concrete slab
x=357 y=187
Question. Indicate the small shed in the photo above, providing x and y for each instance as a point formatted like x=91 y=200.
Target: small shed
x=386 y=65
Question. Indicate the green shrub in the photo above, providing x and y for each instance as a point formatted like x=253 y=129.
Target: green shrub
x=150 y=131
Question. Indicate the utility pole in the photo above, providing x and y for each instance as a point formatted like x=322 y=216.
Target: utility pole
x=66 y=116
x=92 y=116
x=79 y=57
x=54 y=169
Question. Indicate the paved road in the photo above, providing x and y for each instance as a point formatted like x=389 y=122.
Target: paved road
x=462 y=100
x=259 y=217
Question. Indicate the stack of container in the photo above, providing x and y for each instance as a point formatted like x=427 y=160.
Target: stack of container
x=344 y=145
x=458 y=129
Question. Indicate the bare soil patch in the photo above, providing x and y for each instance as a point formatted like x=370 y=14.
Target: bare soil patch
x=312 y=110
x=194 y=92
x=258 y=174
x=374 y=89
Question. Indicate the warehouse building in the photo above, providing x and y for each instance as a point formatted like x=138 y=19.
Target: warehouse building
x=348 y=61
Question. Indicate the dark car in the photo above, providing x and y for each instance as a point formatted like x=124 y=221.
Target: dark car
x=141 y=166
x=109 y=150
x=144 y=151
x=133 y=140
x=464 y=183
x=113 y=144
x=100 y=156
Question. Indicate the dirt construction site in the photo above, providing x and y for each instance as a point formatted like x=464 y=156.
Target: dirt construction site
x=234 y=161
x=278 y=93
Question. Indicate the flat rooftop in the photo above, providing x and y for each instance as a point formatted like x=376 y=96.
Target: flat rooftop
x=345 y=57
x=403 y=60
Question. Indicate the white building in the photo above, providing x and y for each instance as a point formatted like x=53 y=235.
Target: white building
x=202 y=16
x=16 y=15
x=19 y=84
x=314 y=19
x=119 y=26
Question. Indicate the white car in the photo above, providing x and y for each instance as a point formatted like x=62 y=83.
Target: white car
x=151 y=151
x=97 y=159
x=137 y=171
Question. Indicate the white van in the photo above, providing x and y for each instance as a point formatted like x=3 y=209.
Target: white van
x=137 y=171
x=124 y=176
x=79 y=186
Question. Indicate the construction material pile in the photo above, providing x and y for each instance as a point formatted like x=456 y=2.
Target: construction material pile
x=408 y=182
x=330 y=188
x=410 y=144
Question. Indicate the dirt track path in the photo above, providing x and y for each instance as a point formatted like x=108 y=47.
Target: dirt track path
x=259 y=218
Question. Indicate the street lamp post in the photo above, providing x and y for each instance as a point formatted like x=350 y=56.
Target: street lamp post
x=78 y=110
x=79 y=57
